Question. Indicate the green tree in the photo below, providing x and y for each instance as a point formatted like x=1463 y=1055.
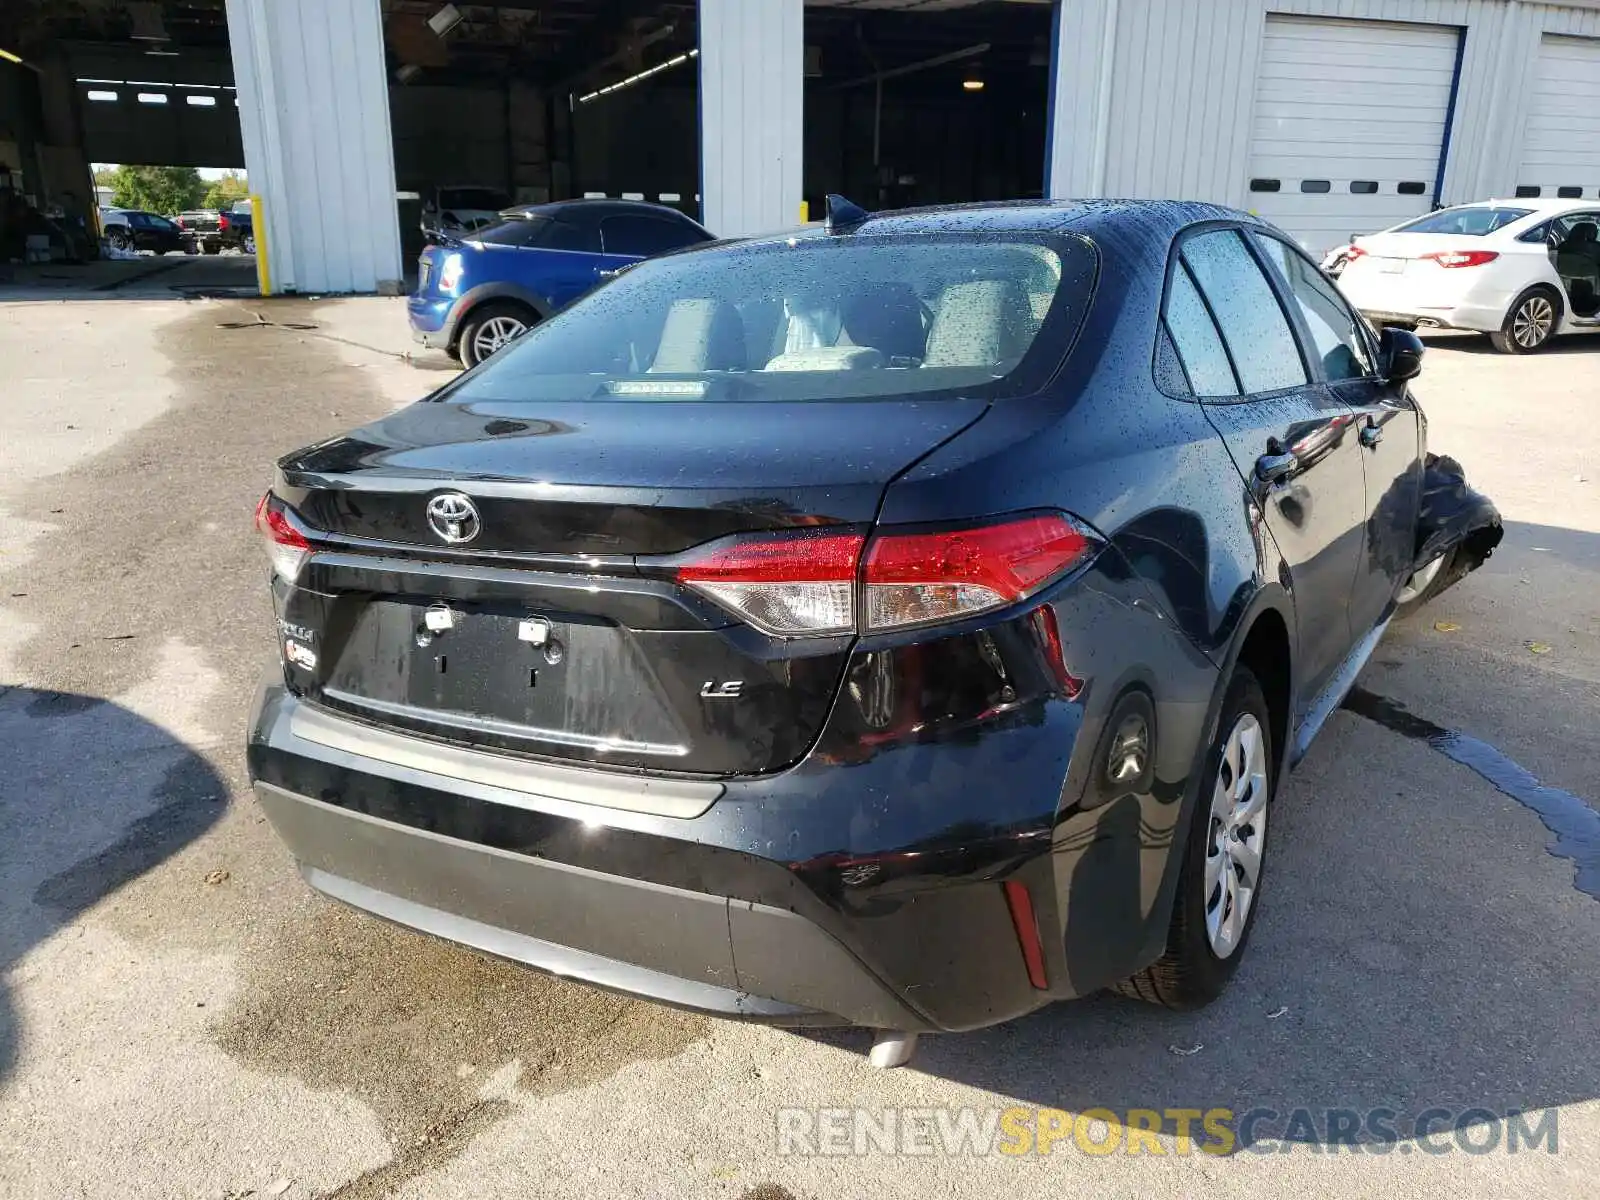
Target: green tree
x=167 y=190
x=223 y=192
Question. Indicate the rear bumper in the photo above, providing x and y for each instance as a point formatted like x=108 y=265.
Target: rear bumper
x=1467 y=316
x=861 y=885
x=433 y=320
x=621 y=934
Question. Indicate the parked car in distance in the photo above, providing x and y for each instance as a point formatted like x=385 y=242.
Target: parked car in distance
x=203 y=224
x=905 y=622
x=476 y=293
x=237 y=226
x=1521 y=271
x=135 y=229
x=461 y=208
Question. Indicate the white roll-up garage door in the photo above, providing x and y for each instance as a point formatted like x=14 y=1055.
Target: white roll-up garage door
x=1561 y=145
x=1349 y=125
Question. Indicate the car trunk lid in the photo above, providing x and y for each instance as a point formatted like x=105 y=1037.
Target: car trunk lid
x=551 y=626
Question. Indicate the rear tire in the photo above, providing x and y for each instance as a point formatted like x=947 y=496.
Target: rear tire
x=489 y=327
x=1218 y=896
x=1530 y=324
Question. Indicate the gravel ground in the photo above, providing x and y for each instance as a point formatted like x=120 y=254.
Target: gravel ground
x=180 y=1016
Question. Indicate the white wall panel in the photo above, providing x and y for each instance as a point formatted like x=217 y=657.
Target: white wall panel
x=1160 y=106
x=314 y=112
x=752 y=68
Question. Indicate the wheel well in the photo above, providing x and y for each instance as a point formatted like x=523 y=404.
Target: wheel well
x=492 y=302
x=1266 y=652
x=1555 y=293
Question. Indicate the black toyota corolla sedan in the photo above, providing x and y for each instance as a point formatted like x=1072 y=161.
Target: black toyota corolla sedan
x=904 y=622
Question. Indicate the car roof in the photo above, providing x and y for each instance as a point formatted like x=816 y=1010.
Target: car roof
x=1031 y=216
x=1533 y=204
x=595 y=208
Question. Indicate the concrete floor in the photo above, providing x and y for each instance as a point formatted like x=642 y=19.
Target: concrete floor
x=180 y=1016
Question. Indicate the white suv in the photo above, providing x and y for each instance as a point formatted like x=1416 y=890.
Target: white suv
x=1521 y=271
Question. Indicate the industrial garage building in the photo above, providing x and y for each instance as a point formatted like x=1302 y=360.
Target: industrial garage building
x=1329 y=117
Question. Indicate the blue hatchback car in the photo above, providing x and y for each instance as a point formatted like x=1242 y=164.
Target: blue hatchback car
x=475 y=294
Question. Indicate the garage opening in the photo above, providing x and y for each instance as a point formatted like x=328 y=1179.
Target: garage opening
x=121 y=161
x=494 y=105
x=939 y=104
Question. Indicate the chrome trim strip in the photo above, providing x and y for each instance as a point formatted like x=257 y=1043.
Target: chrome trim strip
x=681 y=798
x=474 y=724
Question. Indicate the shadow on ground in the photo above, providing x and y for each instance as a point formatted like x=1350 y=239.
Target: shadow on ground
x=92 y=796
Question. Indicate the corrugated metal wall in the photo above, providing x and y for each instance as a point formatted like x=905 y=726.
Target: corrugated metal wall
x=314 y=111
x=752 y=147
x=1161 y=104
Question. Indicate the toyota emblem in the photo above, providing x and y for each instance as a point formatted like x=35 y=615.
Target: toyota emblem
x=454 y=517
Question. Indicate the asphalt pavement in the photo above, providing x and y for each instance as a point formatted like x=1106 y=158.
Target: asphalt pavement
x=180 y=1016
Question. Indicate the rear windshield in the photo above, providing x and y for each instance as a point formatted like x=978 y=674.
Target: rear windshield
x=814 y=318
x=1474 y=222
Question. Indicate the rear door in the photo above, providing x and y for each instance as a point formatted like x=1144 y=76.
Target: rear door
x=1342 y=352
x=1292 y=440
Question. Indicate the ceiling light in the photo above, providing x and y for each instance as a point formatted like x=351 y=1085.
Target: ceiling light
x=972 y=83
x=10 y=57
x=446 y=19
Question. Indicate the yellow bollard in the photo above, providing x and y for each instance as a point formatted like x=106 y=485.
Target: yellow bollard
x=258 y=230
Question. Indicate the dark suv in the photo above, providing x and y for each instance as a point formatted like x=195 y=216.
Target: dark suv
x=903 y=623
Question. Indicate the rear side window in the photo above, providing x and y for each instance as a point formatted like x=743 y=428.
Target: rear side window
x=1195 y=337
x=643 y=236
x=1265 y=353
x=1336 y=336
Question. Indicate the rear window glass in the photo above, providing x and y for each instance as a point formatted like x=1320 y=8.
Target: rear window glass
x=814 y=318
x=1473 y=222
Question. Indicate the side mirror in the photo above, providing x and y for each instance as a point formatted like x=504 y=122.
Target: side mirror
x=1399 y=354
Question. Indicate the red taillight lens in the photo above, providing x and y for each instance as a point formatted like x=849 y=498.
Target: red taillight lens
x=222 y=223
x=804 y=584
x=792 y=585
x=920 y=578
x=1354 y=253
x=1462 y=258
x=287 y=547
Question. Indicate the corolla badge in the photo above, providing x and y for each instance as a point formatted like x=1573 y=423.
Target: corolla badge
x=454 y=517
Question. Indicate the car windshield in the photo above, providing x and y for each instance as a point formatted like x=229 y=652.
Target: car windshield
x=803 y=319
x=484 y=199
x=1473 y=222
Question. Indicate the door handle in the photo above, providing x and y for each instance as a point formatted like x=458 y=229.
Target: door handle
x=1371 y=434
x=1270 y=468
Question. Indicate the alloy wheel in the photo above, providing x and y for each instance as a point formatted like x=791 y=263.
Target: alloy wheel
x=494 y=334
x=1420 y=581
x=1534 y=319
x=1237 y=836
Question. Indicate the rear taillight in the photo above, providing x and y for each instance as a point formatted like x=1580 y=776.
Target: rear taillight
x=287 y=547
x=222 y=223
x=1353 y=253
x=922 y=578
x=450 y=273
x=793 y=585
x=816 y=582
x=1461 y=258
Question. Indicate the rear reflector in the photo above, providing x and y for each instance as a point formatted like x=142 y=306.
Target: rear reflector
x=1021 y=905
x=287 y=547
x=804 y=584
x=1461 y=258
